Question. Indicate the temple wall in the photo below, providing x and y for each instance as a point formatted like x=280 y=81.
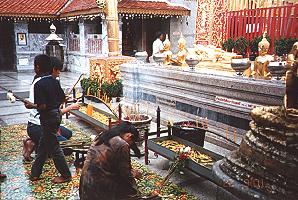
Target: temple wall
x=225 y=101
x=185 y=24
x=78 y=62
x=35 y=44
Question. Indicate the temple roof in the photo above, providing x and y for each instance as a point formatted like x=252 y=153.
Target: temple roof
x=31 y=8
x=67 y=9
x=148 y=7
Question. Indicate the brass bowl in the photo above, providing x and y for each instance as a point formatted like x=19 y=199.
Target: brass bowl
x=241 y=64
x=192 y=61
x=159 y=58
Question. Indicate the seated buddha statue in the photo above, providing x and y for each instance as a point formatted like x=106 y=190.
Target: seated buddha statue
x=260 y=69
x=167 y=51
x=182 y=53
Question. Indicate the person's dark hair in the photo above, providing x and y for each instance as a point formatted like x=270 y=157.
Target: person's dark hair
x=56 y=63
x=44 y=63
x=122 y=128
x=158 y=34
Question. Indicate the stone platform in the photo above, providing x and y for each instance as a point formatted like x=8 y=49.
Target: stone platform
x=225 y=99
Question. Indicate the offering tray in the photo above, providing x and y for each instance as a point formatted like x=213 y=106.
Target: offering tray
x=200 y=165
x=99 y=119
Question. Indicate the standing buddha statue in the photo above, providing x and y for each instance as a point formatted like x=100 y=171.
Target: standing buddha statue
x=260 y=70
x=167 y=51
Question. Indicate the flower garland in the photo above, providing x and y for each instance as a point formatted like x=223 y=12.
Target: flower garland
x=183 y=154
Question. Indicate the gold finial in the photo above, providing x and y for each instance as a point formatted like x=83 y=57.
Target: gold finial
x=181 y=40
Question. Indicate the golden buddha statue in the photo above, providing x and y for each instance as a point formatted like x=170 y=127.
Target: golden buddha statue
x=261 y=63
x=291 y=97
x=182 y=53
x=167 y=51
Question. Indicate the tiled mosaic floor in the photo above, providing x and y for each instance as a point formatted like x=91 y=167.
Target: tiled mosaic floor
x=18 y=186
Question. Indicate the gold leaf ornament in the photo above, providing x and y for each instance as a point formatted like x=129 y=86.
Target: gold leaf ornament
x=101 y=3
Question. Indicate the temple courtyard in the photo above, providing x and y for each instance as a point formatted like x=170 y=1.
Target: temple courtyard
x=13 y=120
x=189 y=99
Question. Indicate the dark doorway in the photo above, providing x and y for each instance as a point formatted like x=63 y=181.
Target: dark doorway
x=7 y=47
x=153 y=26
x=131 y=36
x=139 y=34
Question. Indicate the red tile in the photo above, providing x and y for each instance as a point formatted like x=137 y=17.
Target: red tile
x=31 y=7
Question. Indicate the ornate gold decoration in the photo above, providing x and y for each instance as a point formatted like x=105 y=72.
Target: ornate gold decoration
x=107 y=69
x=210 y=22
x=110 y=9
x=101 y=3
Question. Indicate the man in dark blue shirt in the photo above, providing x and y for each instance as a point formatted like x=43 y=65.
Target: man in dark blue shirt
x=48 y=96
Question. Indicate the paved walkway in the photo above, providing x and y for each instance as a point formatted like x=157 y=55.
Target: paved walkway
x=19 y=83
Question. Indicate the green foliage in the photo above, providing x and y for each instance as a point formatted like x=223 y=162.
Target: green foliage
x=92 y=84
x=85 y=84
x=241 y=45
x=254 y=43
x=112 y=90
x=228 y=45
x=94 y=87
x=284 y=45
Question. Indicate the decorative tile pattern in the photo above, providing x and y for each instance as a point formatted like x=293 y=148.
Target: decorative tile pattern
x=210 y=24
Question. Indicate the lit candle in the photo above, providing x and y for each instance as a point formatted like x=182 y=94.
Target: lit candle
x=202 y=122
x=235 y=131
x=89 y=109
x=197 y=121
x=206 y=123
x=227 y=133
x=78 y=94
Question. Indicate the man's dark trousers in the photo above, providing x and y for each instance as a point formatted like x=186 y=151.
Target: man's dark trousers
x=49 y=145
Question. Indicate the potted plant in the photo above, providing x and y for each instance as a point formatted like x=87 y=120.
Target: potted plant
x=228 y=45
x=94 y=87
x=241 y=45
x=283 y=45
x=85 y=84
x=112 y=89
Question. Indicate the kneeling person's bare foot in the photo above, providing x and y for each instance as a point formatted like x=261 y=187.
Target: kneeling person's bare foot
x=2 y=176
x=61 y=179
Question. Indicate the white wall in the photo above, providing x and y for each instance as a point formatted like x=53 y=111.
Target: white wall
x=180 y=24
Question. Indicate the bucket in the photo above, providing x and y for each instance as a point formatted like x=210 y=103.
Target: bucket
x=188 y=131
